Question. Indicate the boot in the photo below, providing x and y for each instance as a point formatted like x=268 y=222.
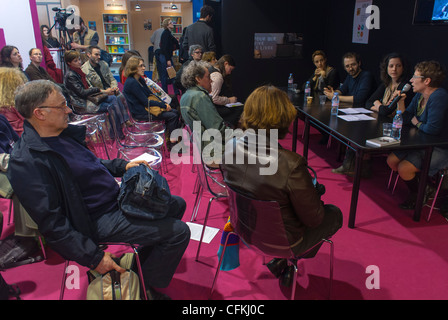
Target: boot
x=409 y=203
x=276 y=266
x=348 y=165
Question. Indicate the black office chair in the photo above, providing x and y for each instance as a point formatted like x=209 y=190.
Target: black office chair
x=259 y=224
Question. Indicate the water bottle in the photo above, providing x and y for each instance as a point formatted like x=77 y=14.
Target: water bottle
x=290 y=82
x=335 y=104
x=396 y=125
x=307 y=92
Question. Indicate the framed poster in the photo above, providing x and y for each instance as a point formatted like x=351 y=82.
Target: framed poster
x=360 y=31
x=115 y=5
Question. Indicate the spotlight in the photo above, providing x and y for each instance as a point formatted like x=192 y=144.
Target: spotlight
x=137 y=7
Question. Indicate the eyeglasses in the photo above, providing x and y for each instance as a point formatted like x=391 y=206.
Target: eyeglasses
x=197 y=52
x=61 y=107
x=416 y=77
x=142 y=66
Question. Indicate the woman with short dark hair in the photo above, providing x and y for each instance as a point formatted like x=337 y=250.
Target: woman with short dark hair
x=429 y=113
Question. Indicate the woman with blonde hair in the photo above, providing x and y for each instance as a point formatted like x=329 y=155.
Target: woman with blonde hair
x=268 y=111
x=139 y=97
x=324 y=75
x=10 y=80
x=209 y=57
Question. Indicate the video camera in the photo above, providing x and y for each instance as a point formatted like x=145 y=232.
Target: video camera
x=61 y=17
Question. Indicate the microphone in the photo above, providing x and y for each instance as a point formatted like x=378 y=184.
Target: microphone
x=405 y=89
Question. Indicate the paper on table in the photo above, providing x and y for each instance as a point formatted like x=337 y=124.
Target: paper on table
x=355 y=110
x=196 y=230
x=236 y=104
x=356 y=117
x=146 y=156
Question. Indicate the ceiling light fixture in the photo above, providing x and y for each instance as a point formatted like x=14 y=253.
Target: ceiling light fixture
x=173 y=6
x=137 y=7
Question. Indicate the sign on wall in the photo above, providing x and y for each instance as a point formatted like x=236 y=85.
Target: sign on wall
x=360 y=30
x=115 y=5
x=166 y=7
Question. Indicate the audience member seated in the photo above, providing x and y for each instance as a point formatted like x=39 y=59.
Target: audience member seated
x=222 y=92
x=97 y=71
x=307 y=219
x=10 y=57
x=359 y=84
x=356 y=89
x=324 y=75
x=210 y=57
x=140 y=98
x=10 y=80
x=24 y=226
x=394 y=75
x=47 y=39
x=156 y=90
x=196 y=105
x=427 y=112
x=34 y=70
x=195 y=54
x=72 y=195
x=80 y=91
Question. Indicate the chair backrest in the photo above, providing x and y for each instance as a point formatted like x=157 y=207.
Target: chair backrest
x=259 y=224
x=210 y=179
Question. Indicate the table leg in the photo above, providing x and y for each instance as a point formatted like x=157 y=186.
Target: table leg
x=355 y=188
x=306 y=138
x=422 y=186
x=294 y=133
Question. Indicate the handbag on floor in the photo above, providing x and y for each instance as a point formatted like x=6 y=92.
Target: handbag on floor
x=114 y=285
x=144 y=194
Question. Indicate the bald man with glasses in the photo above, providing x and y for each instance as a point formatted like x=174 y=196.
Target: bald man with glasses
x=72 y=195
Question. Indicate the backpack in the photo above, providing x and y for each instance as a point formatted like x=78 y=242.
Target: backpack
x=16 y=251
x=114 y=285
x=7 y=290
x=144 y=194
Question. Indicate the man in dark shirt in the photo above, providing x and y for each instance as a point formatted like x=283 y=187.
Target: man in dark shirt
x=200 y=32
x=72 y=195
x=359 y=84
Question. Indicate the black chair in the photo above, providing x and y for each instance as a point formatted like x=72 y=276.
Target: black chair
x=259 y=225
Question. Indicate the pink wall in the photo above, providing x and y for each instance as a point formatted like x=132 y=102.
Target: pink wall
x=2 y=38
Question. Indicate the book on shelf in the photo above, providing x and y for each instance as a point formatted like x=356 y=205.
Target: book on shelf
x=382 y=142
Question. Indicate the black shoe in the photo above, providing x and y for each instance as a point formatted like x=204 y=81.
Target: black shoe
x=156 y=295
x=276 y=266
x=409 y=204
x=287 y=276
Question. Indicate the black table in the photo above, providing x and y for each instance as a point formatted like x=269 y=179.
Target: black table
x=354 y=135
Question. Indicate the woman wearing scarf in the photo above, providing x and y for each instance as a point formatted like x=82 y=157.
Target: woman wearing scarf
x=324 y=75
x=79 y=90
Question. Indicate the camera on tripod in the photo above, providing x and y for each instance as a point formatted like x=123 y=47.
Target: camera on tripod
x=61 y=17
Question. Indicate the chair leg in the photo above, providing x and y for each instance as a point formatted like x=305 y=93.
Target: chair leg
x=331 y=266
x=197 y=203
x=140 y=272
x=220 y=263
x=390 y=178
x=42 y=248
x=64 y=278
x=204 y=226
x=435 y=199
x=11 y=215
x=395 y=184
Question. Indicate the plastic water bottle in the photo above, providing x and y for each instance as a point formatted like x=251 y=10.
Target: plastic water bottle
x=335 y=104
x=397 y=124
x=290 y=82
x=307 y=92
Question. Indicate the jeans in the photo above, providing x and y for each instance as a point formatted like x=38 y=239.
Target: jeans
x=162 y=242
x=163 y=74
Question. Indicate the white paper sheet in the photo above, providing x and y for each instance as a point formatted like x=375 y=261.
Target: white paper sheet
x=196 y=230
x=355 y=110
x=146 y=156
x=356 y=117
x=236 y=104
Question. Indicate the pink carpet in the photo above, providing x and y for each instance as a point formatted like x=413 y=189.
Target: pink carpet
x=410 y=258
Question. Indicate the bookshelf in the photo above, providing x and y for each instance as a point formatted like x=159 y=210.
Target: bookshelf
x=177 y=22
x=116 y=37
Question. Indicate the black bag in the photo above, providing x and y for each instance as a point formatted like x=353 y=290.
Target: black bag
x=7 y=290
x=144 y=193
x=16 y=251
x=320 y=188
